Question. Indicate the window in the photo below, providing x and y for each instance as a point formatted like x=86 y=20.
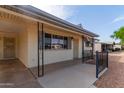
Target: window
x=57 y=42
x=88 y=44
x=47 y=41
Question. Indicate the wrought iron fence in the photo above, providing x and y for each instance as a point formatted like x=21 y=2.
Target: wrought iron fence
x=87 y=55
x=101 y=62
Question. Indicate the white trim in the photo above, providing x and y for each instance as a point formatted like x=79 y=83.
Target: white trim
x=101 y=73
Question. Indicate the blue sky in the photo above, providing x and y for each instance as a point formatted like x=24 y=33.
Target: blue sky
x=102 y=20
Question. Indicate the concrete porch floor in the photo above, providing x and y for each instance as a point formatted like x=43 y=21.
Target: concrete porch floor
x=13 y=74
x=74 y=76
x=68 y=74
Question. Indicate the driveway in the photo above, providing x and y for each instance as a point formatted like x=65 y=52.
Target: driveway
x=14 y=74
x=114 y=77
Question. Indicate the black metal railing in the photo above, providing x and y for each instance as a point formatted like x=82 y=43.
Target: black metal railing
x=87 y=55
x=101 y=62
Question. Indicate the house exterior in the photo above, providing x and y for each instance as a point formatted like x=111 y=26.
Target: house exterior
x=35 y=37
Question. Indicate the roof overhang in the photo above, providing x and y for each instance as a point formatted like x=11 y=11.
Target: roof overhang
x=41 y=15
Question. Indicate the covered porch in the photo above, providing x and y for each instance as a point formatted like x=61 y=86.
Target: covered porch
x=36 y=43
x=45 y=49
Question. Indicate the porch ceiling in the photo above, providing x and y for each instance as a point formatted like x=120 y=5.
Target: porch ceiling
x=11 y=23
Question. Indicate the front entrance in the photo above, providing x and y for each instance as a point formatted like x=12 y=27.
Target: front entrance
x=75 y=48
x=9 y=47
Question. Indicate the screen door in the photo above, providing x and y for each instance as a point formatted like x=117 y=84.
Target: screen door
x=9 y=47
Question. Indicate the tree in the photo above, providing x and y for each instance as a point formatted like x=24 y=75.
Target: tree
x=119 y=34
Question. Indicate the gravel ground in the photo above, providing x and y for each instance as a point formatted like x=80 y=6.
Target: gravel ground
x=114 y=77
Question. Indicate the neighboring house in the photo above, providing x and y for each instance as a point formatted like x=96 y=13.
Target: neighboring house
x=117 y=47
x=103 y=46
x=36 y=37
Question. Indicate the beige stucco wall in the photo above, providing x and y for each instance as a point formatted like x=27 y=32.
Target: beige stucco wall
x=26 y=46
x=1 y=47
x=50 y=56
x=32 y=44
x=80 y=47
x=53 y=56
x=23 y=47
